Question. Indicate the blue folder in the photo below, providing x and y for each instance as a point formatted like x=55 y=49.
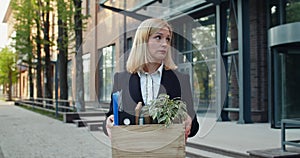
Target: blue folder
x=116 y=108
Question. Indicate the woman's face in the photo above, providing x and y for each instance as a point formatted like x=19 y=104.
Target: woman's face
x=158 y=44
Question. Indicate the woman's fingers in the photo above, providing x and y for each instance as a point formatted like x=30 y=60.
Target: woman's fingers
x=109 y=124
x=188 y=126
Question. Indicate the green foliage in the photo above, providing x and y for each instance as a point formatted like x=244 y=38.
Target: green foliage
x=23 y=14
x=8 y=66
x=34 y=25
x=204 y=54
x=166 y=110
x=30 y=16
x=65 y=15
x=66 y=12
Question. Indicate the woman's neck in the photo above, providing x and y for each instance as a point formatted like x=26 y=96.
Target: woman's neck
x=151 y=67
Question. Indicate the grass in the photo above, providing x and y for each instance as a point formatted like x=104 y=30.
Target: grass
x=43 y=112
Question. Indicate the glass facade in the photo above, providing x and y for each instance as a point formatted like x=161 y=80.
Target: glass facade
x=86 y=75
x=285 y=57
x=88 y=7
x=194 y=39
x=70 y=74
x=284 y=11
x=230 y=54
x=195 y=25
x=292 y=8
x=204 y=61
x=286 y=84
x=106 y=72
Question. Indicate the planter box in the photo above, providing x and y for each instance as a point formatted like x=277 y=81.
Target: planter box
x=152 y=140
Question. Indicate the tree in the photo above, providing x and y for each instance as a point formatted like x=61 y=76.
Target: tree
x=32 y=35
x=65 y=14
x=33 y=39
x=23 y=42
x=46 y=8
x=79 y=100
x=8 y=70
x=38 y=41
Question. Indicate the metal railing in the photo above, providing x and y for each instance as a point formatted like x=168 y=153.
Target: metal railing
x=51 y=105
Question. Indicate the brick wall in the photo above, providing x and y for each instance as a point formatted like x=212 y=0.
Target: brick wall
x=258 y=50
x=258 y=67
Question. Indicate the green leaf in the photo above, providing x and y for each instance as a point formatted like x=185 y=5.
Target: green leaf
x=166 y=110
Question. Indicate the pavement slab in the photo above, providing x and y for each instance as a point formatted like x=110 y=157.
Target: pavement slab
x=25 y=134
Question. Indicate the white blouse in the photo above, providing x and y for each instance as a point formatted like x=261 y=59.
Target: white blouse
x=150 y=84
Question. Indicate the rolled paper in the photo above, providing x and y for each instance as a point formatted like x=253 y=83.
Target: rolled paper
x=141 y=121
x=137 y=112
x=116 y=108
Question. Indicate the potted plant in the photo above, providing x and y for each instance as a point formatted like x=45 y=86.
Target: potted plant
x=165 y=110
x=166 y=139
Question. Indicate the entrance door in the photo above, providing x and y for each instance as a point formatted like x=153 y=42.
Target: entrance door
x=286 y=84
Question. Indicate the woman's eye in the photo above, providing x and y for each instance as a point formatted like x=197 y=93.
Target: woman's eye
x=168 y=39
x=157 y=37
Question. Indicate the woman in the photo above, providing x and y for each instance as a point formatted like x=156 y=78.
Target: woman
x=150 y=72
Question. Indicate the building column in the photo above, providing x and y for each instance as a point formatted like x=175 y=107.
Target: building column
x=244 y=62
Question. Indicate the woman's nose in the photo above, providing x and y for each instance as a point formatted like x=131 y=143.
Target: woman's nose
x=164 y=42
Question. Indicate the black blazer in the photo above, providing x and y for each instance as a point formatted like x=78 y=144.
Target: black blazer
x=173 y=83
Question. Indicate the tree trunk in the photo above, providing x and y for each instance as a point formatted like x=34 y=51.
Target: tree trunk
x=48 y=68
x=9 y=85
x=31 y=87
x=79 y=100
x=39 y=62
x=63 y=53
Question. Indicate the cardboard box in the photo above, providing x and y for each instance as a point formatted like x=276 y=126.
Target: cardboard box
x=153 y=140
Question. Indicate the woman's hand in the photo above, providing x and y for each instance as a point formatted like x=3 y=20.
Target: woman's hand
x=109 y=124
x=188 y=126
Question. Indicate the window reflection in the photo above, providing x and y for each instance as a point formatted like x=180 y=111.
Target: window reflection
x=86 y=75
x=286 y=12
x=292 y=11
x=106 y=69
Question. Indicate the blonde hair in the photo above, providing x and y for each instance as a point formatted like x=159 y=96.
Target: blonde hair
x=139 y=54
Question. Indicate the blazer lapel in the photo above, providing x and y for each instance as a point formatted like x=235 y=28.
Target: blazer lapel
x=135 y=88
x=170 y=84
x=162 y=87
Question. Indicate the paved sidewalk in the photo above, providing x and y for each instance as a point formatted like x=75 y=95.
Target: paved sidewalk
x=25 y=134
x=241 y=138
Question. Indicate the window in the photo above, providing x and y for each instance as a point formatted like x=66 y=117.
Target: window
x=196 y=43
x=292 y=11
x=129 y=43
x=286 y=86
x=86 y=75
x=69 y=75
x=88 y=7
x=284 y=11
x=106 y=72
